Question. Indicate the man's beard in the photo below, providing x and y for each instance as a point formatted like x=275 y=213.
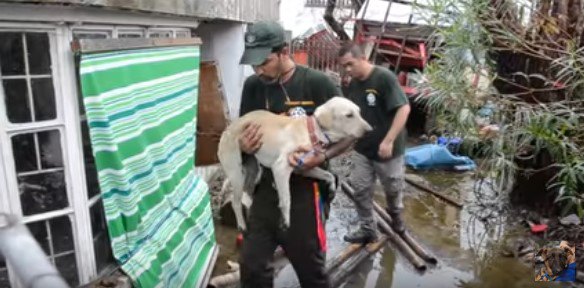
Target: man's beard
x=272 y=80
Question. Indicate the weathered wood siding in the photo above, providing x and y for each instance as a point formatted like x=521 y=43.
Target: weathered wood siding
x=235 y=10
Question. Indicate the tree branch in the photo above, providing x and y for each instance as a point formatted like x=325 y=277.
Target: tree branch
x=332 y=22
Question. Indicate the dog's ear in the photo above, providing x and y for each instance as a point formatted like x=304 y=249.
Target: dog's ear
x=325 y=116
x=542 y=252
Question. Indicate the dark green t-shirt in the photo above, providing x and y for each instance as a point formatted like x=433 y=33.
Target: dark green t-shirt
x=307 y=88
x=379 y=97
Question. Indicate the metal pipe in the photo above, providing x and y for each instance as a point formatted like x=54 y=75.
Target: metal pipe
x=25 y=256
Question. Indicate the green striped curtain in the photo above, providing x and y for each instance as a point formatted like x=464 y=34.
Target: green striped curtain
x=141 y=110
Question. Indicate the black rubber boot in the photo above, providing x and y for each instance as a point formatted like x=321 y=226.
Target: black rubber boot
x=397 y=221
x=361 y=236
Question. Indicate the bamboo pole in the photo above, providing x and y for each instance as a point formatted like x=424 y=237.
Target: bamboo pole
x=232 y=278
x=347 y=253
x=406 y=236
x=344 y=270
x=446 y=198
x=398 y=241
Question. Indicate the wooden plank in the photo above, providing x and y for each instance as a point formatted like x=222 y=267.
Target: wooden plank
x=395 y=53
x=407 y=251
x=406 y=236
x=104 y=45
x=446 y=198
x=212 y=116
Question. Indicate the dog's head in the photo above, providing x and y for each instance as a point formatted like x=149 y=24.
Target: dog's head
x=556 y=259
x=341 y=118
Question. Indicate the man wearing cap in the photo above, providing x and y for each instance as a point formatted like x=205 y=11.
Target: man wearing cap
x=283 y=87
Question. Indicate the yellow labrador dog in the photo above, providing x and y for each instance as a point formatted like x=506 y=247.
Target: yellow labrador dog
x=333 y=121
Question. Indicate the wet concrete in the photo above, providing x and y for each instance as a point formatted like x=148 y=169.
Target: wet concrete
x=467 y=252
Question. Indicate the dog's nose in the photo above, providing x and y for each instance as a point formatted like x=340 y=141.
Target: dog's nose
x=366 y=126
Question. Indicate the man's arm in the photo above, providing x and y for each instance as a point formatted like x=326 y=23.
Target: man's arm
x=399 y=122
x=395 y=98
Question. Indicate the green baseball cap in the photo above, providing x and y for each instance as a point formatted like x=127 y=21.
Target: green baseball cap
x=260 y=39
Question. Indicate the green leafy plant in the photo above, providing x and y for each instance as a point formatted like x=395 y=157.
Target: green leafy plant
x=530 y=62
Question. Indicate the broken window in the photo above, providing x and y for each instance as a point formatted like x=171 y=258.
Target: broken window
x=55 y=236
x=26 y=76
x=39 y=165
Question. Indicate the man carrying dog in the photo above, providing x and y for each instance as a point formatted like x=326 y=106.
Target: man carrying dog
x=282 y=87
x=380 y=153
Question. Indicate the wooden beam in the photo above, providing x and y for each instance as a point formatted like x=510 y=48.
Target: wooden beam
x=394 y=237
x=394 y=53
x=104 y=45
x=337 y=278
x=446 y=198
x=406 y=236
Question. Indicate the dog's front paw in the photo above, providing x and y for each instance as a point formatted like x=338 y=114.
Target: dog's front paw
x=284 y=223
x=241 y=227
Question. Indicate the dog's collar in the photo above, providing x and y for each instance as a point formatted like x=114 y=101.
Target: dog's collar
x=318 y=138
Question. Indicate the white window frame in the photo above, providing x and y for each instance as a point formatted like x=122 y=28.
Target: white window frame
x=68 y=122
x=78 y=217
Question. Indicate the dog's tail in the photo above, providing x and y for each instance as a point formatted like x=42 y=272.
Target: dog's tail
x=229 y=154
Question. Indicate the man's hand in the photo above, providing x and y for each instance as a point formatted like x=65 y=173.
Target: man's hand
x=310 y=161
x=250 y=140
x=385 y=149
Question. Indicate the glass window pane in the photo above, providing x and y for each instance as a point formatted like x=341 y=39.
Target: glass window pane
x=160 y=34
x=103 y=251
x=39 y=56
x=90 y=170
x=16 y=99
x=67 y=266
x=11 y=54
x=62 y=235
x=43 y=94
x=24 y=150
x=130 y=34
x=43 y=192
x=183 y=34
x=40 y=234
x=91 y=35
x=50 y=149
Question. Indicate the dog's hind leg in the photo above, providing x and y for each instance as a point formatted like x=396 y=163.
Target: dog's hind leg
x=230 y=157
x=282 y=171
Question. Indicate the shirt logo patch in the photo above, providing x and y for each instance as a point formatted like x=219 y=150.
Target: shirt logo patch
x=250 y=38
x=371 y=99
x=297 y=112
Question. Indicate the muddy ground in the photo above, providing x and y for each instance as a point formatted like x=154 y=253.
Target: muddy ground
x=471 y=252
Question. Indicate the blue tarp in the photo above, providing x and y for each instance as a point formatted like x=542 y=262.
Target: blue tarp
x=432 y=156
